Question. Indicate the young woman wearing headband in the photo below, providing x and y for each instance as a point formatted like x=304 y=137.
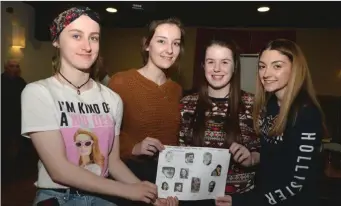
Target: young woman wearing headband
x=74 y=122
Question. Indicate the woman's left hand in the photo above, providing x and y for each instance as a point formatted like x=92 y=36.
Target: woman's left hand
x=224 y=201
x=170 y=201
x=241 y=154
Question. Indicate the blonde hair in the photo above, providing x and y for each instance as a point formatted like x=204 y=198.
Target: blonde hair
x=95 y=156
x=300 y=81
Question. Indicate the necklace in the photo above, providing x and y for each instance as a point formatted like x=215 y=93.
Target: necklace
x=77 y=87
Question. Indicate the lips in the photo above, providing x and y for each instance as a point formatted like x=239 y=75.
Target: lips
x=217 y=77
x=84 y=55
x=269 y=81
x=167 y=58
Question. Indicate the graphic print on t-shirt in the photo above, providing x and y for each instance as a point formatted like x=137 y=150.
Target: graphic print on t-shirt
x=88 y=133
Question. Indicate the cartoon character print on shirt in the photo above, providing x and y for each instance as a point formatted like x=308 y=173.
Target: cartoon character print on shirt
x=90 y=156
x=88 y=131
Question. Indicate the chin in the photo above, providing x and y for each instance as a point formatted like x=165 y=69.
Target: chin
x=217 y=86
x=165 y=66
x=83 y=67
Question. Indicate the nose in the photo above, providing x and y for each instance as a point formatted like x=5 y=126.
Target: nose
x=170 y=49
x=216 y=68
x=265 y=73
x=86 y=46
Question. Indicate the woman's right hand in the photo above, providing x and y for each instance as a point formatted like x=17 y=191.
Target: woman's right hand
x=149 y=146
x=142 y=191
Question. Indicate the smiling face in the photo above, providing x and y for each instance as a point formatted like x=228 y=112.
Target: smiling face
x=274 y=71
x=84 y=144
x=79 y=43
x=183 y=173
x=164 y=46
x=219 y=66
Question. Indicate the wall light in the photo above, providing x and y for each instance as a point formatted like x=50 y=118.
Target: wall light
x=263 y=9
x=111 y=10
x=18 y=36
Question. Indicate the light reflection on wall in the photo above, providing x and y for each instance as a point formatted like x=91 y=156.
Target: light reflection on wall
x=15 y=52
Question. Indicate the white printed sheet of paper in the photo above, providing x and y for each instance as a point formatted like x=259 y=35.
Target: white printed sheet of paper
x=192 y=173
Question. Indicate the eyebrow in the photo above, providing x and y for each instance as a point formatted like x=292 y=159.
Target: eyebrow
x=277 y=61
x=77 y=30
x=226 y=59
x=163 y=37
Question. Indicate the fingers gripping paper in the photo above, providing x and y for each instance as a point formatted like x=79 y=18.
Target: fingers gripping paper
x=192 y=173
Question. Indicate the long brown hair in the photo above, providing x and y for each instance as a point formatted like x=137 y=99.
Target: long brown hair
x=151 y=31
x=231 y=123
x=299 y=89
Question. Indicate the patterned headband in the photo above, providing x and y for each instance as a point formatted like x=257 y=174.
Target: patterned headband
x=65 y=18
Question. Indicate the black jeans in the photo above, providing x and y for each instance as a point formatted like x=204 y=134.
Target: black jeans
x=145 y=170
x=245 y=199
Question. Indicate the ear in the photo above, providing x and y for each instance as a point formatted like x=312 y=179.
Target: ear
x=143 y=43
x=55 y=44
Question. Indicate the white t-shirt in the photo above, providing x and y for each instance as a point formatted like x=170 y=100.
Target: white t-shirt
x=88 y=122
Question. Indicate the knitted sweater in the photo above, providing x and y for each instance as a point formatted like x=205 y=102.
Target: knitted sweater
x=239 y=179
x=150 y=110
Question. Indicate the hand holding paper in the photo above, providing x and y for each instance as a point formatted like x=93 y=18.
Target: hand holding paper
x=149 y=146
x=192 y=173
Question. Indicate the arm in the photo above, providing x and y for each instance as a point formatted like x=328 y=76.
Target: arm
x=39 y=122
x=306 y=140
x=185 y=134
x=116 y=167
x=127 y=143
x=254 y=145
x=51 y=150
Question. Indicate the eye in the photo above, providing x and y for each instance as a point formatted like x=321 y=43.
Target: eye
x=277 y=66
x=177 y=43
x=161 y=41
x=76 y=36
x=261 y=66
x=225 y=62
x=94 y=38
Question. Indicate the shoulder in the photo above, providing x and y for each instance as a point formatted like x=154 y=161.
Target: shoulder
x=110 y=94
x=189 y=102
x=175 y=87
x=190 y=98
x=123 y=76
x=309 y=111
x=39 y=87
x=247 y=98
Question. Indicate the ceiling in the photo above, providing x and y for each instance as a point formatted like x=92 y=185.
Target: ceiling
x=208 y=14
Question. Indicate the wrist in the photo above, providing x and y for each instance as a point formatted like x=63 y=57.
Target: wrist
x=133 y=151
x=124 y=190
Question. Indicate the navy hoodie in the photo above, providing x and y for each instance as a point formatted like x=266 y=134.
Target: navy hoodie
x=289 y=163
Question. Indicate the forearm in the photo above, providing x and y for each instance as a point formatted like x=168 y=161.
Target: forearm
x=74 y=176
x=255 y=157
x=306 y=143
x=121 y=172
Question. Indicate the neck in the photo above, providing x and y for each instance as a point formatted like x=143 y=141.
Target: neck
x=85 y=160
x=280 y=94
x=154 y=73
x=219 y=93
x=75 y=76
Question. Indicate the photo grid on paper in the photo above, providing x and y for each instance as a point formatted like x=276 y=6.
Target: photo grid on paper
x=192 y=173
